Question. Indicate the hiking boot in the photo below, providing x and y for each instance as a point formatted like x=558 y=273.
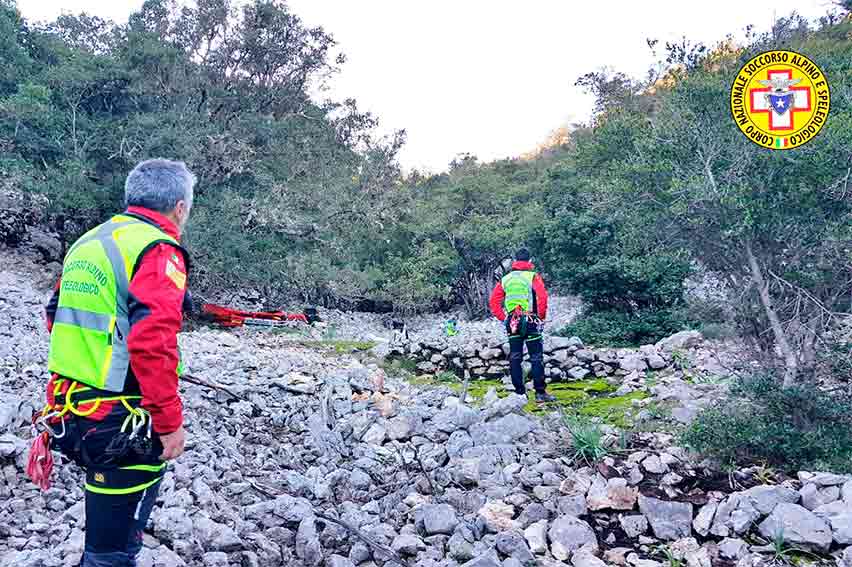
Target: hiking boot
x=543 y=397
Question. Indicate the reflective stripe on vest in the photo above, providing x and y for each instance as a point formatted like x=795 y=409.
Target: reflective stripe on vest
x=517 y=286
x=88 y=342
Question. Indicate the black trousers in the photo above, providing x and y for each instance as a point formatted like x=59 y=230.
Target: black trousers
x=533 y=340
x=120 y=491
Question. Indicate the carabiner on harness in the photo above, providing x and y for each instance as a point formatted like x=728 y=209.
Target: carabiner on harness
x=42 y=422
x=135 y=440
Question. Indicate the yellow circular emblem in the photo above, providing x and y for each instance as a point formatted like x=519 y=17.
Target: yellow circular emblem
x=780 y=99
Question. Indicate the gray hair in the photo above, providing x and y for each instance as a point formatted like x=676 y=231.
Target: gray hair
x=158 y=184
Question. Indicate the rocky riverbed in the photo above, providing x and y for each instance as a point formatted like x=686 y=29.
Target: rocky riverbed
x=331 y=458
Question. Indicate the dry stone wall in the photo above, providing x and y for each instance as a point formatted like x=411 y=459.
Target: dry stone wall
x=564 y=358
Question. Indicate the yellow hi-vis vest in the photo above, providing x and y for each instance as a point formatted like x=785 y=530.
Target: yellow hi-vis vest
x=518 y=287
x=88 y=342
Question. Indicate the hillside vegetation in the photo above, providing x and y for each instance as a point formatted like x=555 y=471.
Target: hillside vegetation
x=300 y=200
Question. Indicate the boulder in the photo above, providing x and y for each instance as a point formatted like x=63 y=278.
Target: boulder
x=400 y=428
x=813 y=496
x=308 y=547
x=680 y=341
x=687 y=550
x=669 y=520
x=634 y=526
x=632 y=362
x=486 y=560
x=704 y=519
x=656 y=362
x=823 y=479
x=766 y=498
x=585 y=558
x=578 y=373
x=375 y=435
x=513 y=403
x=612 y=494
x=585 y=355
x=568 y=534
x=654 y=465
x=490 y=353
x=459 y=548
x=513 y=544
x=505 y=430
x=797 y=525
x=497 y=516
x=407 y=544
x=841 y=528
x=536 y=536
x=439 y=519
x=12 y=413
x=555 y=344
x=732 y=548
x=846 y=558
x=339 y=561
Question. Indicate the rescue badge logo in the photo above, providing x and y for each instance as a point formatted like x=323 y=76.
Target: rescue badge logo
x=175 y=274
x=780 y=99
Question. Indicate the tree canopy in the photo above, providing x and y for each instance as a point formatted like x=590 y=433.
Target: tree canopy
x=300 y=199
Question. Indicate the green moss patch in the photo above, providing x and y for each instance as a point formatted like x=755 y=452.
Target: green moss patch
x=591 y=398
x=617 y=410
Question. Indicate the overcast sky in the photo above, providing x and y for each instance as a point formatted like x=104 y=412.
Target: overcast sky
x=489 y=77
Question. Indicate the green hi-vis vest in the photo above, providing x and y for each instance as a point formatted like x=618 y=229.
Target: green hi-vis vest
x=519 y=291
x=88 y=342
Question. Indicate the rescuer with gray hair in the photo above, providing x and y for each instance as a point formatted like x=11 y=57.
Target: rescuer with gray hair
x=112 y=399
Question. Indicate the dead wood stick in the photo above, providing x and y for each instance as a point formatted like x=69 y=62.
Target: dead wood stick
x=396 y=558
x=292 y=390
x=205 y=384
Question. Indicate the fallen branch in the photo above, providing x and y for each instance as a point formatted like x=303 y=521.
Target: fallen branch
x=263 y=490
x=205 y=384
x=425 y=474
x=396 y=558
x=292 y=390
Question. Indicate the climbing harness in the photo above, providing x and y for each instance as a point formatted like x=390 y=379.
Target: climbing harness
x=124 y=443
x=519 y=322
x=52 y=425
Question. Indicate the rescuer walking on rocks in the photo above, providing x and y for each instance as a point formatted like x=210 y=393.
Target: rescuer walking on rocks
x=112 y=401
x=520 y=300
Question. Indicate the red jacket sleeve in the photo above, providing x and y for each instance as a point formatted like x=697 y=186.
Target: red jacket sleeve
x=157 y=291
x=496 y=302
x=540 y=297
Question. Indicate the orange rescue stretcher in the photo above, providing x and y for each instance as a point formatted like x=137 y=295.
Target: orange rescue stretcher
x=227 y=317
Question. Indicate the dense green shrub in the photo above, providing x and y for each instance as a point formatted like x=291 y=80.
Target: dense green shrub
x=625 y=329
x=836 y=359
x=791 y=429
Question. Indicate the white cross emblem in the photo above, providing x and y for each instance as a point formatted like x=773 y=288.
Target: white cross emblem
x=784 y=120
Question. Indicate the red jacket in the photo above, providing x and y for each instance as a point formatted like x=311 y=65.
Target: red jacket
x=539 y=294
x=157 y=290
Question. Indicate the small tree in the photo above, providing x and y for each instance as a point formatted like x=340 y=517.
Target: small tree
x=775 y=224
